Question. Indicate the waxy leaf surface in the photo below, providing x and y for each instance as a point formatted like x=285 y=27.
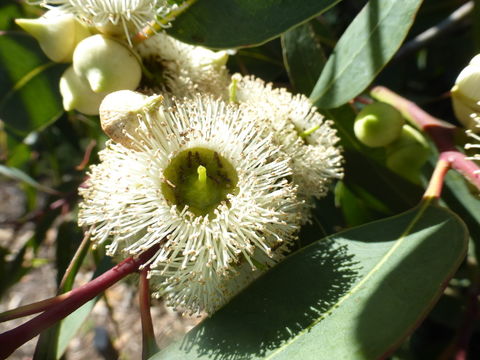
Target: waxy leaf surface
x=239 y=23
x=353 y=295
x=363 y=50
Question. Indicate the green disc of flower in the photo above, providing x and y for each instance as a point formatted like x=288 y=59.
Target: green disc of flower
x=199 y=178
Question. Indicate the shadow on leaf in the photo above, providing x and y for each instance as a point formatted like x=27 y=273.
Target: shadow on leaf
x=266 y=315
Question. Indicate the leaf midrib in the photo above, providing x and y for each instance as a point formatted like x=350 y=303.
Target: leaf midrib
x=24 y=80
x=360 y=50
x=422 y=208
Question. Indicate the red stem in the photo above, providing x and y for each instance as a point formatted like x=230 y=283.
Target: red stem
x=434 y=189
x=12 y=339
x=467 y=168
x=86 y=156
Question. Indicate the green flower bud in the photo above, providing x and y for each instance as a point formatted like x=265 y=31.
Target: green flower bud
x=119 y=113
x=77 y=94
x=107 y=64
x=378 y=124
x=466 y=94
x=408 y=154
x=57 y=33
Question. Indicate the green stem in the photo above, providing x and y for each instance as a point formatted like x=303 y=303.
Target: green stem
x=67 y=280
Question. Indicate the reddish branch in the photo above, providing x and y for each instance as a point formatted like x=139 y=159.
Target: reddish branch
x=86 y=156
x=12 y=339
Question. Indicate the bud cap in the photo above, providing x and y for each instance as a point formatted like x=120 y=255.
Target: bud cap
x=57 y=33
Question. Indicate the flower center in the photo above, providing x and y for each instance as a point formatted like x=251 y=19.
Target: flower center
x=305 y=133
x=200 y=178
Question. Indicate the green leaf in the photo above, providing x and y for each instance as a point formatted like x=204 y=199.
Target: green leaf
x=364 y=49
x=19 y=175
x=239 y=23
x=264 y=61
x=67 y=241
x=353 y=295
x=356 y=211
x=69 y=326
x=29 y=95
x=303 y=56
x=20 y=264
x=8 y=12
x=54 y=341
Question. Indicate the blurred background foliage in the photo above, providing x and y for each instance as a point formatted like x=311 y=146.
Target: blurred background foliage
x=44 y=151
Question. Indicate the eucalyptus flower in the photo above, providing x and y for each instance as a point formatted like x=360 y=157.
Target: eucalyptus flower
x=302 y=133
x=186 y=69
x=203 y=181
x=113 y=17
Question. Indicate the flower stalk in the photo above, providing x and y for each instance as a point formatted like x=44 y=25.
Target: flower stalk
x=434 y=189
x=57 y=310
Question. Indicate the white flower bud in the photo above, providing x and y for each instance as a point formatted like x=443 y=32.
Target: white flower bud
x=466 y=94
x=57 y=33
x=107 y=64
x=77 y=94
x=119 y=113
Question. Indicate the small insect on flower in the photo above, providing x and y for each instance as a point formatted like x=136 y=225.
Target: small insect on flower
x=199 y=178
x=113 y=17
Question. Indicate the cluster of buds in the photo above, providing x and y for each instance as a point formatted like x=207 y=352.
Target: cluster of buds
x=381 y=125
x=101 y=63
